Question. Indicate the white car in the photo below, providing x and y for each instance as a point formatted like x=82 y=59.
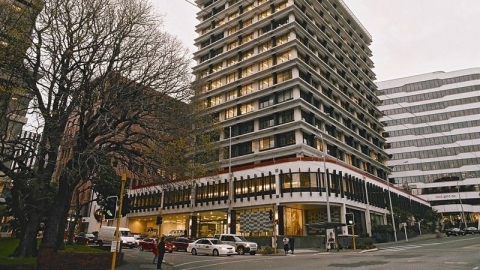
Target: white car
x=210 y=246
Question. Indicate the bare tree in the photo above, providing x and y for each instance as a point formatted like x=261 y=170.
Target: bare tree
x=105 y=81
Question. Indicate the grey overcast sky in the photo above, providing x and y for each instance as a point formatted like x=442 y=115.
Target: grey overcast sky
x=410 y=37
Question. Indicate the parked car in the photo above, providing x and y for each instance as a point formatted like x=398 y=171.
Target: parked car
x=241 y=244
x=169 y=246
x=84 y=238
x=181 y=243
x=472 y=230
x=210 y=246
x=147 y=244
x=454 y=231
x=150 y=243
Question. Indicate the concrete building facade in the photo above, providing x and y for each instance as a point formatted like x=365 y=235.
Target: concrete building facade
x=291 y=83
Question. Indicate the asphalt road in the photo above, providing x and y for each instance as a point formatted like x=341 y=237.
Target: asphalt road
x=426 y=252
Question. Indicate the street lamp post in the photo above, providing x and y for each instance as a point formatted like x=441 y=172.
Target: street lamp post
x=230 y=185
x=327 y=186
x=391 y=212
x=461 y=205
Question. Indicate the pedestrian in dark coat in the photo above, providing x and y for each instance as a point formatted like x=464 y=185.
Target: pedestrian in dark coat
x=161 y=252
x=291 y=243
x=285 y=245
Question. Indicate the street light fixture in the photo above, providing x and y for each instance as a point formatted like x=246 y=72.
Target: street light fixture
x=327 y=186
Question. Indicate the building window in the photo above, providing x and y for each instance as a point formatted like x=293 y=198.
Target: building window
x=248 y=7
x=286 y=139
x=217 y=67
x=220 y=22
x=264 y=47
x=284 y=76
x=231 y=77
x=265 y=102
x=281 y=6
x=232 y=61
x=216 y=83
x=265 y=83
x=205 y=87
x=229 y=113
x=247 y=54
x=265 y=64
x=204 y=73
x=247 y=71
x=233 y=30
x=247 y=38
x=264 y=14
x=246 y=89
x=233 y=16
x=282 y=39
x=261 y=2
x=246 y=108
x=216 y=100
x=267 y=143
x=231 y=95
x=247 y=22
x=232 y=45
x=285 y=95
x=285 y=117
x=284 y=57
x=266 y=122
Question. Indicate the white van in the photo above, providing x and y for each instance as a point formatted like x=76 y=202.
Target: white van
x=107 y=234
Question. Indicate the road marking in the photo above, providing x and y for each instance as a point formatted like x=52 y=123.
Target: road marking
x=230 y=261
x=456 y=263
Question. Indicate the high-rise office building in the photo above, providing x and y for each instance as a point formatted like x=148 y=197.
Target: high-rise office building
x=291 y=83
x=433 y=122
x=16 y=21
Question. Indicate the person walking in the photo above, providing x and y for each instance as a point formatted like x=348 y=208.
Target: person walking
x=285 y=245
x=161 y=252
x=291 y=243
x=155 y=252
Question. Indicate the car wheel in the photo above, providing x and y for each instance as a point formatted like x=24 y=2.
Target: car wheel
x=194 y=251
x=240 y=251
x=448 y=235
x=252 y=252
x=141 y=248
x=215 y=253
x=100 y=243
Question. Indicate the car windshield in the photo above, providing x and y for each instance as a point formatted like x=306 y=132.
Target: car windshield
x=240 y=239
x=89 y=235
x=216 y=242
x=125 y=233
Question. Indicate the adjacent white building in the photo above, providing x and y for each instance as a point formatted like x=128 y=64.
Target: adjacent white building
x=433 y=126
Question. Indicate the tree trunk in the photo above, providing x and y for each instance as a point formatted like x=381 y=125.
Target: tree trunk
x=57 y=215
x=28 y=244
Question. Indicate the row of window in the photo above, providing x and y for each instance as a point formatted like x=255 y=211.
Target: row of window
x=436 y=141
x=430 y=95
x=433 y=153
x=274 y=141
x=432 y=177
x=248 y=53
x=432 y=117
x=345 y=186
x=450 y=189
x=437 y=165
x=433 y=106
x=251 y=69
x=245 y=37
x=411 y=87
x=432 y=129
